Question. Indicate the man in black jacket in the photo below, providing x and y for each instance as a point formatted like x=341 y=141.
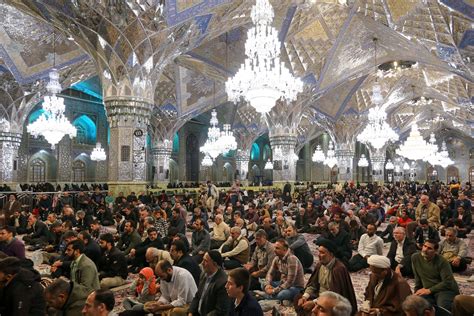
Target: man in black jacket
x=21 y=292
x=401 y=249
x=137 y=255
x=105 y=216
x=92 y=249
x=211 y=297
x=38 y=233
x=181 y=259
x=113 y=264
x=342 y=240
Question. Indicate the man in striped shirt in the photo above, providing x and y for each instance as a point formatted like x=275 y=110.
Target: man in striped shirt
x=291 y=280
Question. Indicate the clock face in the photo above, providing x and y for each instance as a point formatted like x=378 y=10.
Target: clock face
x=138 y=133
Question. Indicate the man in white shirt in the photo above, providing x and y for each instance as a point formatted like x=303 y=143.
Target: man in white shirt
x=369 y=244
x=220 y=232
x=177 y=288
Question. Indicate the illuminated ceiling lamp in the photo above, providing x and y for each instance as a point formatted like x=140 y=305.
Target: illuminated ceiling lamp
x=52 y=124
x=211 y=146
x=331 y=159
x=406 y=166
x=268 y=165
x=207 y=161
x=415 y=147
x=389 y=165
x=363 y=162
x=263 y=78
x=318 y=155
x=98 y=153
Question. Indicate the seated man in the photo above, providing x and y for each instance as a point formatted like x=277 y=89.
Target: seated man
x=342 y=240
x=67 y=298
x=285 y=278
x=415 y=305
x=299 y=247
x=220 y=232
x=424 y=232
x=99 y=303
x=181 y=259
x=211 y=297
x=154 y=255
x=463 y=305
x=401 y=249
x=261 y=260
x=330 y=274
x=83 y=270
x=237 y=287
x=369 y=244
x=9 y=245
x=386 y=290
x=177 y=288
x=92 y=248
x=38 y=233
x=454 y=250
x=434 y=278
x=387 y=234
x=137 y=254
x=235 y=250
x=200 y=240
x=112 y=265
x=129 y=239
x=19 y=220
x=331 y=303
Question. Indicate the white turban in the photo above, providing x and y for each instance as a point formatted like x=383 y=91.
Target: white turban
x=379 y=261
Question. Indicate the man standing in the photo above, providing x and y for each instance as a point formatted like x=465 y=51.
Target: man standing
x=200 y=241
x=9 y=245
x=237 y=287
x=401 y=249
x=330 y=274
x=211 y=297
x=453 y=249
x=177 y=288
x=99 y=303
x=291 y=280
x=261 y=260
x=386 y=290
x=369 y=244
x=113 y=265
x=212 y=195
x=83 y=270
x=10 y=207
x=434 y=278
x=236 y=249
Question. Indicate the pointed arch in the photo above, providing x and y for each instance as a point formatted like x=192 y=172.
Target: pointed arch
x=86 y=130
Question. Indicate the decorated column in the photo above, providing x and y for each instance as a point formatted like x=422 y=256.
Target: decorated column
x=9 y=144
x=377 y=159
x=283 y=143
x=161 y=160
x=345 y=161
x=128 y=120
x=242 y=160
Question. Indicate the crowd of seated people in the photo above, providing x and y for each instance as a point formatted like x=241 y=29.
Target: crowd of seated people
x=221 y=253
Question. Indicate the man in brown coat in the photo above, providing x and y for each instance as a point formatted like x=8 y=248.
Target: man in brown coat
x=330 y=274
x=386 y=290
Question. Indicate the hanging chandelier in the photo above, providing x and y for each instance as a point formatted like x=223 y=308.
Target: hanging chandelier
x=415 y=147
x=227 y=140
x=363 y=162
x=389 y=165
x=268 y=165
x=331 y=159
x=406 y=166
x=52 y=124
x=377 y=132
x=263 y=78
x=207 y=161
x=440 y=158
x=318 y=155
x=98 y=153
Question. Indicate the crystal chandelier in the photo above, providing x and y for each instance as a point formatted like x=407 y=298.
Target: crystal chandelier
x=52 y=123
x=227 y=140
x=363 y=162
x=98 y=153
x=318 y=155
x=330 y=160
x=268 y=165
x=377 y=132
x=211 y=146
x=415 y=147
x=389 y=165
x=406 y=166
x=440 y=158
x=207 y=161
x=263 y=78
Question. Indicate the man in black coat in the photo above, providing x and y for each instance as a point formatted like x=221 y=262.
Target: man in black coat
x=211 y=297
x=92 y=249
x=401 y=249
x=137 y=254
x=21 y=292
x=113 y=264
x=37 y=231
x=181 y=259
x=342 y=240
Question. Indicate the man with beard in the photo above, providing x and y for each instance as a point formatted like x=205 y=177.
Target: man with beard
x=129 y=239
x=21 y=293
x=434 y=278
x=386 y=290
x=330 y=274
x=342 y=240
x=9 y=244
x=261 y=260
x=83 y=270
x=369 y=244
x=113 y=265
x=177 y=288
x=137 y=254
x=181 y=259
x=454 y=250
x=201 y=241
x=92 y=248
x=299 y=246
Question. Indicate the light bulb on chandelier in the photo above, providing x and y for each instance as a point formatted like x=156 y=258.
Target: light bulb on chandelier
x=98 y=153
